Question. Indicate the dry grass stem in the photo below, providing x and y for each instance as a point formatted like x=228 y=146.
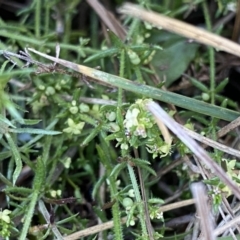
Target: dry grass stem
x=108 y=18
x=177 y=205
x=226 y=226
x=92 y=230
x=159 y=113
x=229 y=127
x=181 y=28
x=203 y=209
x=108 y=225
x=211 y=142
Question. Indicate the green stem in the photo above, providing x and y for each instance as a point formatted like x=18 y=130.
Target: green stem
x=121 y=74
x=47 y=17
x=37 y=18
x=138 y=200
x=106 y=161
x=29 y=215
x=115 y=211
x=211 y=62
x=211 y=53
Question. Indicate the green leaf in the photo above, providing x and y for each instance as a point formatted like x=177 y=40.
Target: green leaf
x=18 y=190
x=6 y=121
x=68 y=219
x=19 y=37
x=221 y=85
x=91 y=136
x=140 y=162
x=40 y=175
x=213 y=181
x=198 y=84
x=102 y=54
x=173 y=60
x=3 y=67
x=130 y=215
x=32 y=121
x=4 y=155
x=148 y=91
x=103 y=157
x=117 y=169
x=35 y=131
x=17 y=157
x=97 y=186
x=149 y=169
x=115 y=40
x=11 y=108
x=156 y=201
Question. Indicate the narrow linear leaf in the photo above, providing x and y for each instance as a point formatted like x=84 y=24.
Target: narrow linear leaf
x=97 y=185
x=140 y=161
x=17 y=157
x=19 y=37
x=148 y=169
x=197 y=84
x=68 y=219
x=36 y=138
x=3 y=66
x=130 y=216
x=155 y=201
x=18 y=190
x=116 y=41
x=102 y=54
x=5 y=120
x=92 y=135
x=40 y=175
x=221 y=85
x=148 y=91
x=117 y=169
x=35 y=131
x=11 y=108
x=32 y=121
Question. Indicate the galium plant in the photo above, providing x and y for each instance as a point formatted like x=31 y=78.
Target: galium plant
x=95 y=127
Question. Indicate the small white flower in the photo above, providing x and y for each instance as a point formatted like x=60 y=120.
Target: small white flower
x=74 y=128
x=4 y=215
x=124 y=146
x=159 y=215
x=131 y=118
x=84 y=107
x=140 y=131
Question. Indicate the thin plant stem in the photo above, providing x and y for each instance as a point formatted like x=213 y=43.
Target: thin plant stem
x=29 y=215
x=212 y=64
x=37 y=18
x=211 y=53
x=144 y=198
x=47 y=16
x=138 y=200
x=121 y=73
x=105 y=159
